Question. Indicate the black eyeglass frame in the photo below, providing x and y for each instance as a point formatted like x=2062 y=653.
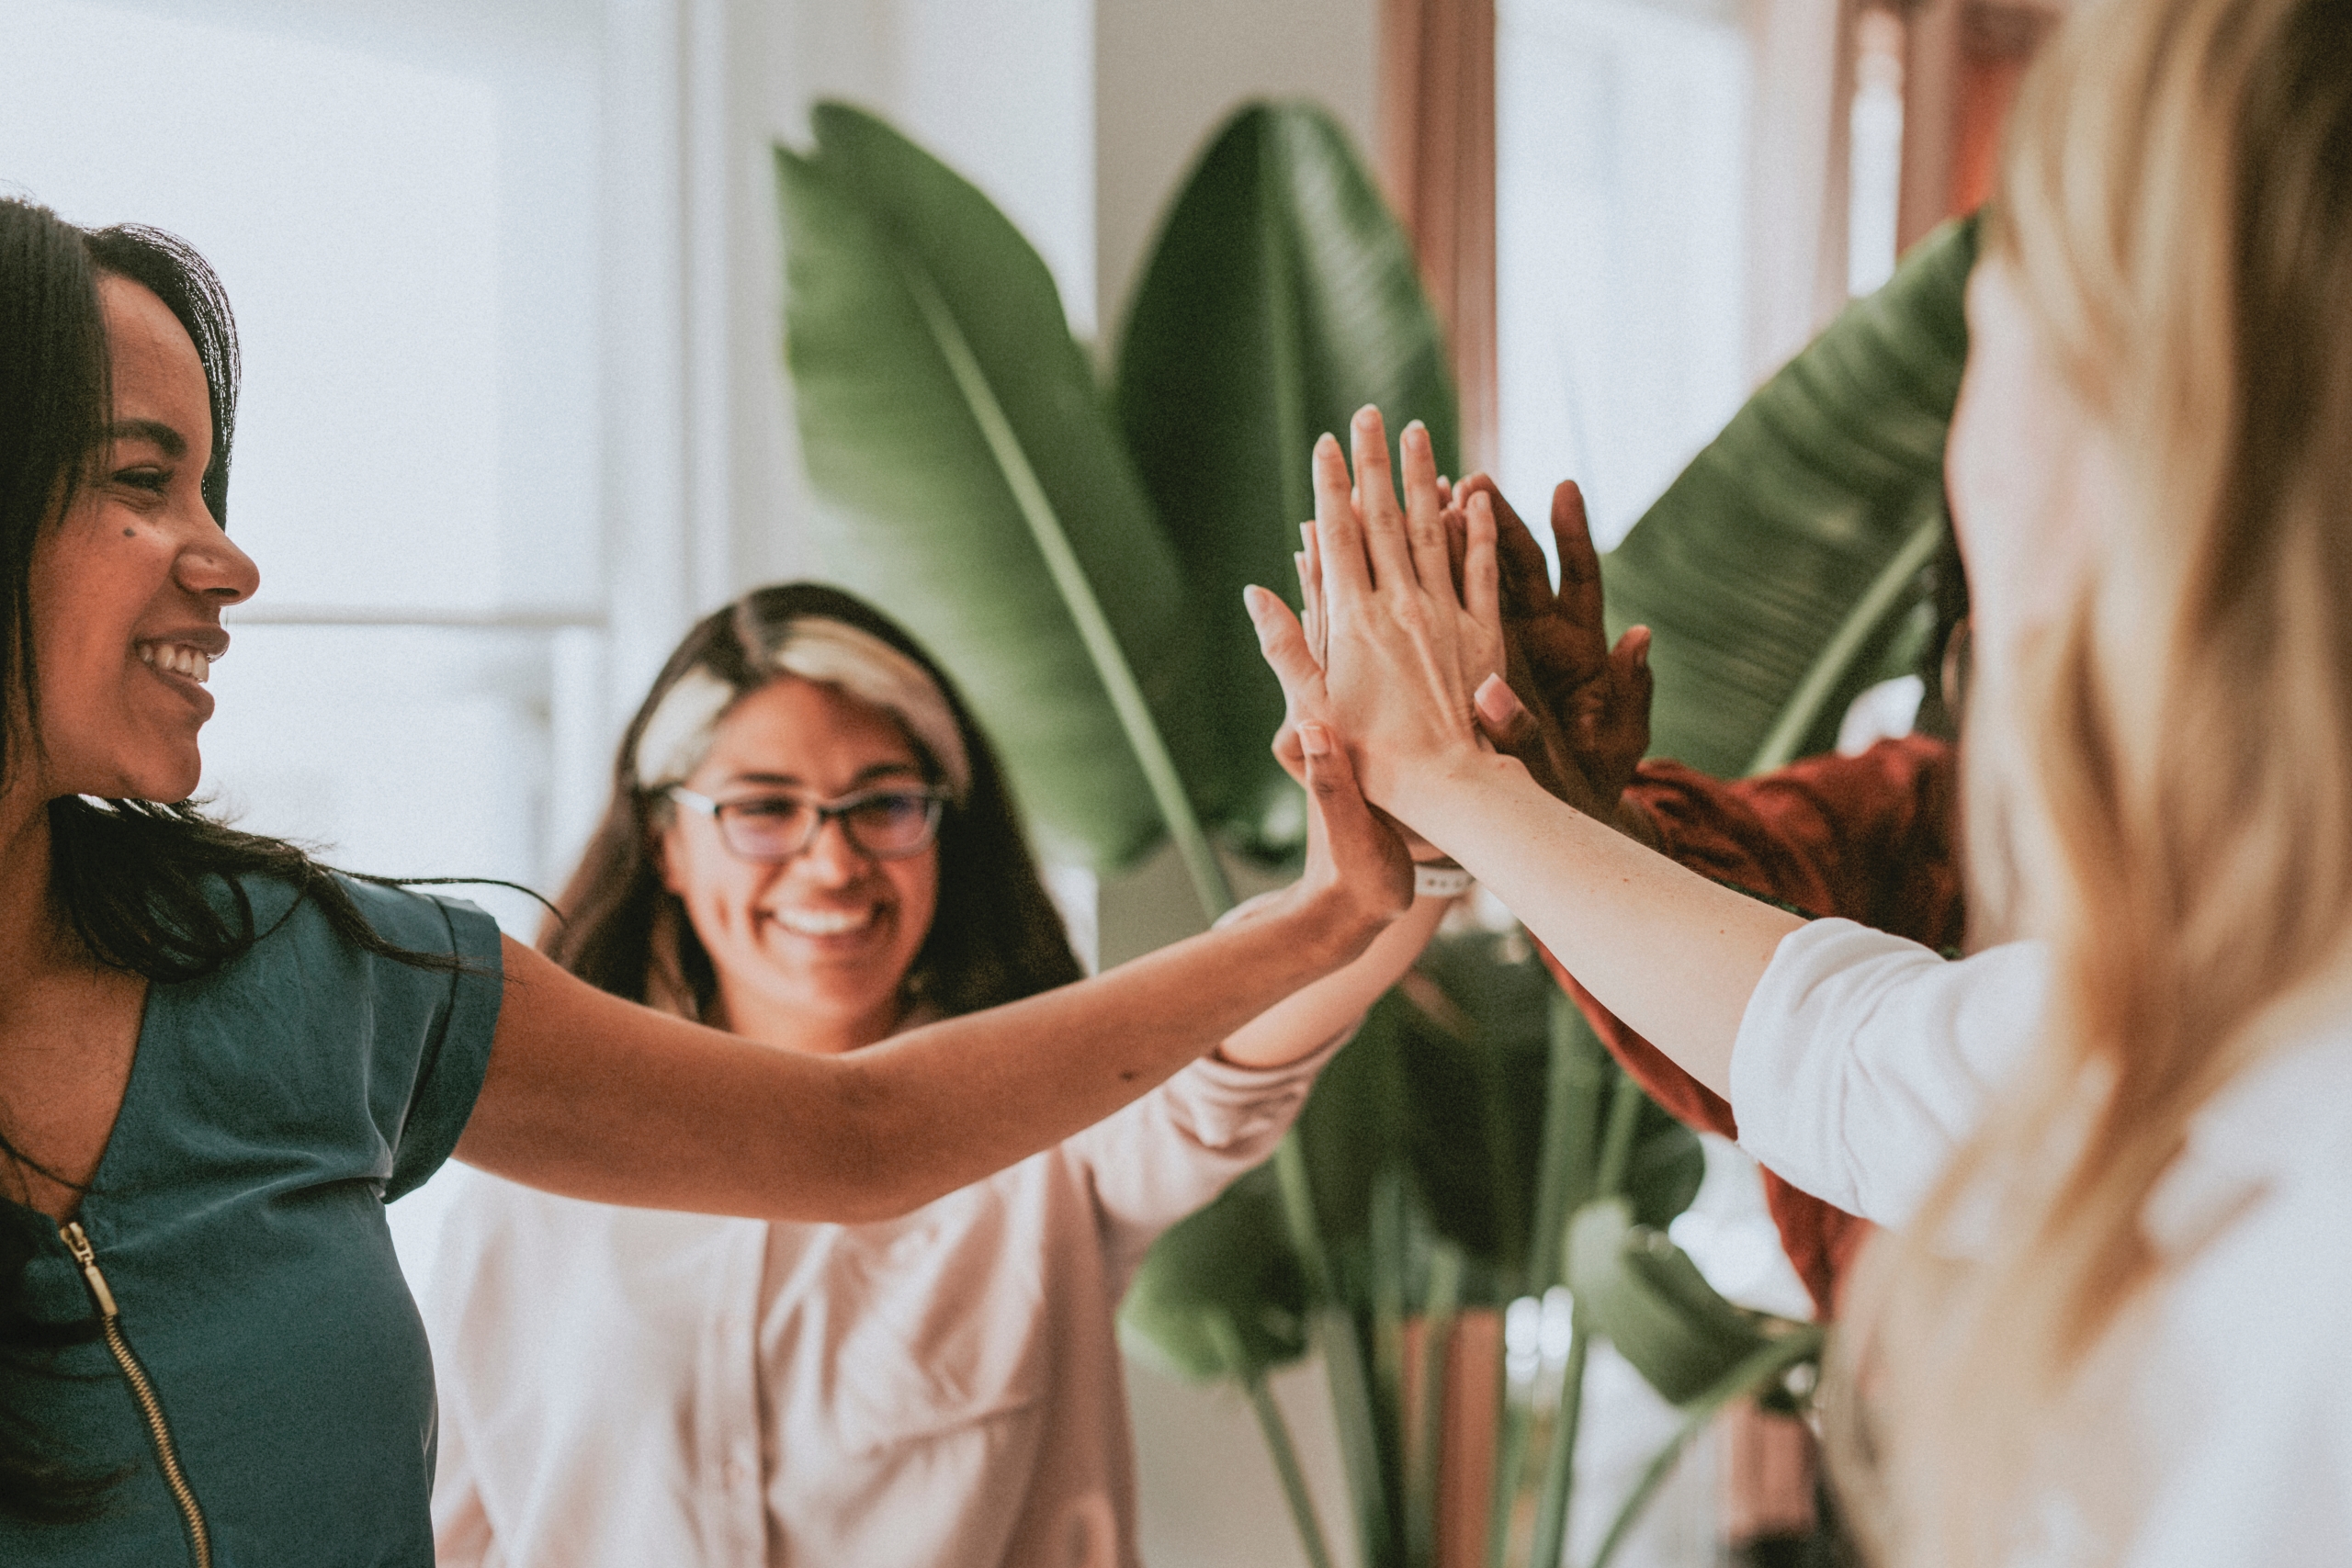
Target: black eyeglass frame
x=835 y=810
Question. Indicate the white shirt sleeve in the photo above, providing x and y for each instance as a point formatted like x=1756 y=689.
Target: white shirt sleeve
x=1863 y=1060
x=1176 y=1148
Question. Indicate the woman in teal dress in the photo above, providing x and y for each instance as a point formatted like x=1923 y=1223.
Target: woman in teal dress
x=219 y=1060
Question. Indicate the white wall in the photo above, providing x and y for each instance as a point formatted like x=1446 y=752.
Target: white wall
x=1165 y=75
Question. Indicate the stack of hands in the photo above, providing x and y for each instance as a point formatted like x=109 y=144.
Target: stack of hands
x=1433 y=640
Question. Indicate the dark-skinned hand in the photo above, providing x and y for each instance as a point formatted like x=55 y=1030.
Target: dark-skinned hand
x=1587 y=706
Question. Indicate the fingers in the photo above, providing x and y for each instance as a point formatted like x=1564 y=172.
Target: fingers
x=1364 y=851
x=1525 y=575
x=1339 y=527
x=1625 y=722
x=1579 y=564
x=1424 y=510
x=1502 y=716
x=1283 y=642
x=1311 y=588
x=1383 y=521
x=1288 y=752
x=1481 y=587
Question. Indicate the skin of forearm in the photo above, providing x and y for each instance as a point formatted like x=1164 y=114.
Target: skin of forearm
x=595 y=1098
x=1302 y=1022
x=1673 y=955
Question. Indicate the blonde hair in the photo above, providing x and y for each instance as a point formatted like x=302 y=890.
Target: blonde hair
x=2162 y=787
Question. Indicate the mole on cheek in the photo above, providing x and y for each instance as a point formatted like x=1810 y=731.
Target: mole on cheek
x=131 y=532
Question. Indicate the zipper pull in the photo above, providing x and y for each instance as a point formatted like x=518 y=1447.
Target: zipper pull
x=76 y=1243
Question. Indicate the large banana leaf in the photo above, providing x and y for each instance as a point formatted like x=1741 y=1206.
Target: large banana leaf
x=1281 y=298
x=1785 y=565
x=977 y=488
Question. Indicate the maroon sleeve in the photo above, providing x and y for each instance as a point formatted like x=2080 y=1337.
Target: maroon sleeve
x=1869 y=838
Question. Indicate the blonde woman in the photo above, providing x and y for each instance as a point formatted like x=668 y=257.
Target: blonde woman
x=2112 y=1330
x=809 y=844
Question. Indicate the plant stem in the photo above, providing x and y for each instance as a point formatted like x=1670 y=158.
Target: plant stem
x=1617 y=1142
x=1773 y=1360
x=1511 y=1458
x=1845 y=645
x=1356 y=1411
x=1559 y=1470
x=1077 y=592
x=1425 y=1457
x=1560 y=1464
x=1345 y=1366
x=1278 y=1441
x=1577 y=1068
x=1281 y=323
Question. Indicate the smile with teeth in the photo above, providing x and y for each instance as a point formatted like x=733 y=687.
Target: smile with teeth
x=177 y=658
x=826 y=922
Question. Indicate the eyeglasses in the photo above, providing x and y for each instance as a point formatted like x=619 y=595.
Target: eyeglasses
x=887 y=824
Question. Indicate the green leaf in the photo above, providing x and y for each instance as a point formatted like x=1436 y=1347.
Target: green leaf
x=952 y=427
x=1784 y=564
x=1281 y=295
x=1644 y=1295
x=1225 y=1278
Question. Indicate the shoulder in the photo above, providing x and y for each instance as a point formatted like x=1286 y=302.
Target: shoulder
x=298 y=925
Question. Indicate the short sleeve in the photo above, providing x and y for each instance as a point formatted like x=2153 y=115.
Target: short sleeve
x=432 y=1027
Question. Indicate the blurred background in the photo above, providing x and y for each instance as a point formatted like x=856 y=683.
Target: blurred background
x=507 y=278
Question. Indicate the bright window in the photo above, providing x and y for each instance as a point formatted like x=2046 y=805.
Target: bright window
x=1620 y=132
x=405 y=224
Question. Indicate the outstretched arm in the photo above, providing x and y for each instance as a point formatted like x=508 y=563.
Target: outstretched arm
x=595 y=1098
x=1674 y=955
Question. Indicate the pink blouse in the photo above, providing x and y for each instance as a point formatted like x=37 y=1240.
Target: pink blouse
x=625 y=1387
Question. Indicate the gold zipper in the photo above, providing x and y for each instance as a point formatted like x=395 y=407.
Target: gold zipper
x=199 y=1539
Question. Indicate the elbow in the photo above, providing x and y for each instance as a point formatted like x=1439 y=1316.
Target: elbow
x=877 y=1170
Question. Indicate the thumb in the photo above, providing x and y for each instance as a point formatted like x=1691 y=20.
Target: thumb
x=1282 y=643
x=1363 y=851
x=1503 y=718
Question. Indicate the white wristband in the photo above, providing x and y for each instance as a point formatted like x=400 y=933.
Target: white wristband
x=1440 y=881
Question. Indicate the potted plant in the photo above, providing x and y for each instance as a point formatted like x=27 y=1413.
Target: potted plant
x=1075 y=553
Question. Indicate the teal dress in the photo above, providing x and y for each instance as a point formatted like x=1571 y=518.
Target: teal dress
x=237 y=1222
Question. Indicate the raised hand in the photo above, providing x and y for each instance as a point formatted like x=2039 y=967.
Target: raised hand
x=1586 y=704
x=1402 y=648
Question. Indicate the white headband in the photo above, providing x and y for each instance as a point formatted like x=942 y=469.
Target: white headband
x=832 y=653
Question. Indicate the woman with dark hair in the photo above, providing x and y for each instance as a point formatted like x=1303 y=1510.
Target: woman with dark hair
x=219 y=1059
x=810 y=843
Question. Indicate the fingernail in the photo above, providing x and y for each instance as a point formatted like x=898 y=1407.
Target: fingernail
x=1367 y=416
x=1496 y=701
x=1314 y=739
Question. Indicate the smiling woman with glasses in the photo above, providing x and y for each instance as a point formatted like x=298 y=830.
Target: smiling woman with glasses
x=810 y=844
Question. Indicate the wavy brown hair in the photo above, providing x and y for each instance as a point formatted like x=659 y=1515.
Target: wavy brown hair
x=995 y=936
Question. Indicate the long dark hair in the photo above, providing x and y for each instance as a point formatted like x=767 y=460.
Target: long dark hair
x=995 y=936
x=153 y=888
